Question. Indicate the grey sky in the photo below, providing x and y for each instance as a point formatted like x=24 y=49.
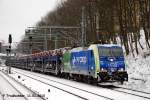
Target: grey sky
x=17 y=15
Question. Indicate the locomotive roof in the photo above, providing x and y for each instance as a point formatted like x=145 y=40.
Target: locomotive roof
x=109 y=45
x=79 y=49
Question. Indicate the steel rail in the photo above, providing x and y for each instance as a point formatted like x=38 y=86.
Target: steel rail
x=22 y=86
x=65 y=85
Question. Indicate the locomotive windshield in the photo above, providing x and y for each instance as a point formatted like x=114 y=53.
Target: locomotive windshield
x=117 y=51
x=110 y=51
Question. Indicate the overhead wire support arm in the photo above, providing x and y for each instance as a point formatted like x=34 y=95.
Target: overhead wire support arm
x=48 y=33
x=56 y=27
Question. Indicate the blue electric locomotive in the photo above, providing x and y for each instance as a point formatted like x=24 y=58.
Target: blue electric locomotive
x=102 y=63
x=109 y=63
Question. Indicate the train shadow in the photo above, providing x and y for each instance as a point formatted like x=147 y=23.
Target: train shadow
x=108 y=86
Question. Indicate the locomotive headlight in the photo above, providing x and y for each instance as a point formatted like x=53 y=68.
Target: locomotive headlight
x=111 y=60
x=103 y=70
x=121 y=69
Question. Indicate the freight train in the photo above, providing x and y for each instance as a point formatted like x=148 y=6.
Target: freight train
x=97 y=63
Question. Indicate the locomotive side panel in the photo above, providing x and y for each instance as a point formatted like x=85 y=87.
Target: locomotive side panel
x=82 y=62
x=66 y=66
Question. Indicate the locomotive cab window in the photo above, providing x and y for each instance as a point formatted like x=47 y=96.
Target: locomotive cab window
x=107 y=51
x=117 y=52
x=104 y=51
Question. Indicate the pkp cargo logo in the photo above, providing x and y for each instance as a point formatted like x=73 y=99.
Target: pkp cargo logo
x=79 y=60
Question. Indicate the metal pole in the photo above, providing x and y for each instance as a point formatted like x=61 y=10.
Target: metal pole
x=31 y=50
x=10 y=50
x=56 y=38
x=30 y=44
x=45 y=39
x=83 y=26
x=50 y=33
x=97 y=25
x=9 y=55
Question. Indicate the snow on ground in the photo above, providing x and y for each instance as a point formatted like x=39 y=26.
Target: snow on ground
x=10 y=87
x=8 y=90
x=138 y=67
x=139 y=73
x=50 y=93
x=116 y=95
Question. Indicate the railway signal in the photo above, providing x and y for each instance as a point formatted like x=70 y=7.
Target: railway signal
x=9 y=51
x=10 y=39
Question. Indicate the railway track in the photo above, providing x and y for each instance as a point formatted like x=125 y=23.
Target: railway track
x=72 y=87
x=78 y=89
x=15 y=89
x=20 y=96
x=137 y=93
x=131 y=93
x=133 y=90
